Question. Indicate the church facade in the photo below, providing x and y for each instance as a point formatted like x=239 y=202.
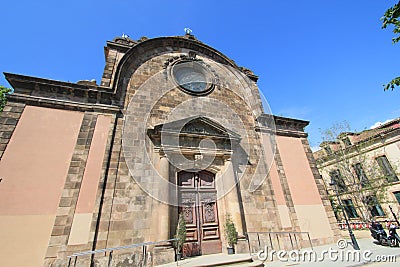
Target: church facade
x=175 y=127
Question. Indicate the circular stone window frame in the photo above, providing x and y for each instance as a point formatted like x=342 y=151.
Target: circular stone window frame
x=203 y=68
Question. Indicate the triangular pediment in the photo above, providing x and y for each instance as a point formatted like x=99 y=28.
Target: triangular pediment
x=199 y=125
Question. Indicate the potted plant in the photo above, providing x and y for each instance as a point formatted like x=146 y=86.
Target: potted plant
x=230 y=234
x=180 y=236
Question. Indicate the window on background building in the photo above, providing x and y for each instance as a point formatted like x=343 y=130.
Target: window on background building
x=362 y=177
x=387 y=169
x=397 y=195
x=346 y=141
x=328 y=150
x=338 y=179
x=349 y=208
x=334 y=208
x=373 y=205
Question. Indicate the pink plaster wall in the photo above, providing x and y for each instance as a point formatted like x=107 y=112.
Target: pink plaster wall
x=301 y=181
x=93 y=168
x=276 y=185
x=273 y=172
x=35 y=164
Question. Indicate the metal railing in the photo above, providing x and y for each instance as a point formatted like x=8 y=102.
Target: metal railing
x=277 y=241
x=111 y=250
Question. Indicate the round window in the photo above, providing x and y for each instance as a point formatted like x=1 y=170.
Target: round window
x=192 y=77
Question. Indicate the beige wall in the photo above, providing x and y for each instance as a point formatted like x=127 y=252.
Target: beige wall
x=34 y=168
x=303 y=189
x=24 y=239
x=313 y=219
x=392 y=152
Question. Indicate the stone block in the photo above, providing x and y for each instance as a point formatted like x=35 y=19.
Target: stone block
x=58 y=240
x=58 y=230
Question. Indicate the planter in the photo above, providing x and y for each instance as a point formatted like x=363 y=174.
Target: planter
x=230 y=234
x=179 y=256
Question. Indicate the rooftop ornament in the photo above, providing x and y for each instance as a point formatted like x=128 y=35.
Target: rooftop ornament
x=188 y=31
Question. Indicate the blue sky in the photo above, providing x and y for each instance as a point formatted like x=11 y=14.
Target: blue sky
x=322 y=61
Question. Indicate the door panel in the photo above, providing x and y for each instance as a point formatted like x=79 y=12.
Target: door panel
x=189 y=214
x=197 y=196
x=210 y=229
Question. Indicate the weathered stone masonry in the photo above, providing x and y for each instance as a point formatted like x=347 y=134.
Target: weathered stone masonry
x=100 y=204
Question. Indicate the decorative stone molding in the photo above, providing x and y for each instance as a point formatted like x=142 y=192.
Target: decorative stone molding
x=173 y=63
x=163 y=45
x=122 y=43
x=190 y=57
x=249 y=73
x=191 y=134
x=283 y=126
x=64 y=95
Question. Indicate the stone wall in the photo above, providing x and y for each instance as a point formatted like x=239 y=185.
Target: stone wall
x=8 y=121
x=138 y=93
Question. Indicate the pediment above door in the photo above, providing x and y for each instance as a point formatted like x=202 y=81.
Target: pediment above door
x=188 y=133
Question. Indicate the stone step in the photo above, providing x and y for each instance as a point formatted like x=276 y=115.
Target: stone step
x=245 y=264
x=226 y=261
x=240 y=260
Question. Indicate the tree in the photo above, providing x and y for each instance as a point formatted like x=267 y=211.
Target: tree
x=180 y=234
x=346 y=159
x=230 y=231
x=391 y=17
x=3 y=100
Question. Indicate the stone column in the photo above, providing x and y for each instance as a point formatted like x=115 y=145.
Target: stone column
x=162 y=211
x=232 y=199
x=164 y=252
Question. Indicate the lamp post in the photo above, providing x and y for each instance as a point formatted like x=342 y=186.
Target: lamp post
x=351 y=234
x=391 y=210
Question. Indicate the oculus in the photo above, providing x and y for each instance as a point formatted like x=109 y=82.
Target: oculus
x=193 y=77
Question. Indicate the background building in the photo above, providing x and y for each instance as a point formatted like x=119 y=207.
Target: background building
x=366 y=169
x=174 y=127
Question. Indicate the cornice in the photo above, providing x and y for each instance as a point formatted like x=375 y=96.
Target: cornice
x=52 y=93
x=378 y=141
x=282 y=126
x=170 y=44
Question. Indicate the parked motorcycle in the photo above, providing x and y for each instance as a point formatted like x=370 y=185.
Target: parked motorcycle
x=393 y=238
x=379 y=234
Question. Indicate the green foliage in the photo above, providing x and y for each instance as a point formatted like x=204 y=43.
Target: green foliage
x=230 y=231
x=332 y=133
x=180 y=233
x=3 y=92
x=391 y=17
x=392 y=84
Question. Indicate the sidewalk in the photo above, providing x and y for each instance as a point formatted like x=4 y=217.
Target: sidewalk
x=328 y=255
x=213 y=260
x=369 y=255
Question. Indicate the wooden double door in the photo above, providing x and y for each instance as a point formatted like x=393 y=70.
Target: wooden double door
x=198 y=204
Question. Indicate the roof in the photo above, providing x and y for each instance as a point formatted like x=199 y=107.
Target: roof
x=128 y=46
x=359 y=137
